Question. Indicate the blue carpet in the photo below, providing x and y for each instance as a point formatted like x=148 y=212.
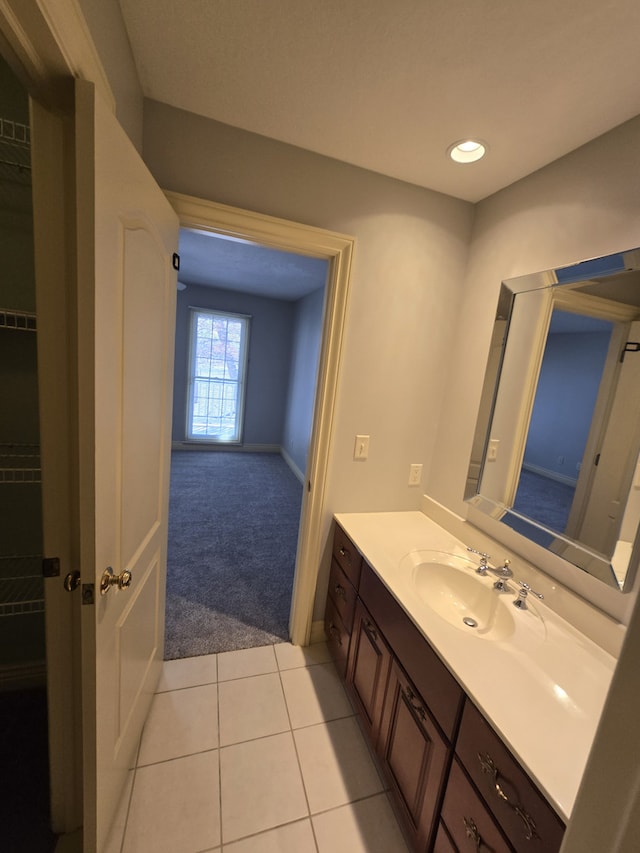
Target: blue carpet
x=233 y=532
x=544 y=500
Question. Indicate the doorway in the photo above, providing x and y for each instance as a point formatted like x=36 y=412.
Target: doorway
x=249 y=319
x=24 y=763
x=201 y=215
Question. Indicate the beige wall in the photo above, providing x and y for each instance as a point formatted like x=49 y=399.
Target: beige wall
x=583 y=205
x=106 y=24
x=410 y=256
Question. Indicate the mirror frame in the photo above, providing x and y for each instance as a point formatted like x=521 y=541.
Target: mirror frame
x=548 y=282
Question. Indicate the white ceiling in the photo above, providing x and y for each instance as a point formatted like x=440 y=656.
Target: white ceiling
x=231 y=264
x=389 y=85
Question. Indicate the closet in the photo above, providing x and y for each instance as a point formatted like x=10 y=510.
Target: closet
x=24 y=770
x=22 y=650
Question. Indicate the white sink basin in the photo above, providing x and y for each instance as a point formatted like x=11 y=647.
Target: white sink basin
x=449 y=585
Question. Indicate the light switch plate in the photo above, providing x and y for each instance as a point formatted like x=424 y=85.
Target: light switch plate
x=361 y=449
x=415 y=473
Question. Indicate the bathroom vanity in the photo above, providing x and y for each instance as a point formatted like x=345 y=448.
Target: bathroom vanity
x=481 y=714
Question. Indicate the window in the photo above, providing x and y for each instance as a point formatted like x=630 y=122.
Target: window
x=217 y=367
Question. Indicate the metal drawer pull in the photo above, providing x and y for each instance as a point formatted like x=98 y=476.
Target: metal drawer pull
x=409 y=695
x=340 y=591
x=345 y=552
x=488 y=766
x=371 y=629
x=335 y=632
x=471 y=831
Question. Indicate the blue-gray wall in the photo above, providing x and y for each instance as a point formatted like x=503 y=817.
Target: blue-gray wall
x=563 y=408
x=270 y=346
x=307 y=335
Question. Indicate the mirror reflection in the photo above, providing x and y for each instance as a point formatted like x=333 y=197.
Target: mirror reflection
x=557 y=445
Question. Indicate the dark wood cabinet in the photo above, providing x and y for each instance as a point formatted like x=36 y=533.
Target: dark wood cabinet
x=432 y=679
x=347 y=556
x=414 y=754
x=368 y=670
x=341 y=598
x=522 y=811
x=470 y=823
x=337 y=637
x=442 y=760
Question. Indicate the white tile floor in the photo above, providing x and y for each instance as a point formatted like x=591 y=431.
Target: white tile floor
x=255 y=751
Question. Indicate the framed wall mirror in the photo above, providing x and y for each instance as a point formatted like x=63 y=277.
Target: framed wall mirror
x=556 y=452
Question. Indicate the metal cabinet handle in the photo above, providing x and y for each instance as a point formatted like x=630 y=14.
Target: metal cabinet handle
x=370 y=628
x=335 y=632
x=340 y=591
x=109 y=579
x=410 y=696
x=487 y=765
x=345 y=552
x=471 y=831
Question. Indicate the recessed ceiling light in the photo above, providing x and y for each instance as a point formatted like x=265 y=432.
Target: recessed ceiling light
x=467 y=150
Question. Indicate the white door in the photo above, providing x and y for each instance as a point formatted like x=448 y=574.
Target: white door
x=127 y=234
x=616 y=456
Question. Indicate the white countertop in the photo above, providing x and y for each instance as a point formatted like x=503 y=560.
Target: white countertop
x=542 y=691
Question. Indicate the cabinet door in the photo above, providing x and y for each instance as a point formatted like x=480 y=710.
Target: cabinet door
x=368 y=668
x=414 y=755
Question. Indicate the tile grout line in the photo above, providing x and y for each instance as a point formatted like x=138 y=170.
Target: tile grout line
x=220 y=835
x=133 y=782
x=295 y=746
x=279 y=671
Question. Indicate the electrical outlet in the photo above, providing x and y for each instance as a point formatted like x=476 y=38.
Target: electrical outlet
x=361 y=449
x=415 y=474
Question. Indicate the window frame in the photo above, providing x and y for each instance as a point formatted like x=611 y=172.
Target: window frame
x=241 y=382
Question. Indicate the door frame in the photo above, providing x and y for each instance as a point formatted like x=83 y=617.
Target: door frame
x=308 y=240
x=47 y=44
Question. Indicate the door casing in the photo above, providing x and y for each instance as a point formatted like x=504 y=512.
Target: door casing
x=288 y=236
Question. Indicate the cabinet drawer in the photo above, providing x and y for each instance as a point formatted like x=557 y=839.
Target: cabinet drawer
x=468 y=821
x=434 y=682
x=337 y=637
x=443 y=842
x=343 y=595
x=526 y=817
x=347 y=556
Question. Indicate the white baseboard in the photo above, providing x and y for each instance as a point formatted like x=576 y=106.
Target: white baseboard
x=214 y=446
x=551 y=475
x=294 y=468
x=317 y=633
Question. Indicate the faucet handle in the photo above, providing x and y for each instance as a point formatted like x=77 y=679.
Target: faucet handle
x=480 y=553
x=484 y=560
x=525 y=590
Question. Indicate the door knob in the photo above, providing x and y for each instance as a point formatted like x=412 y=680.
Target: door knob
x=109 y=579
x=71 y=581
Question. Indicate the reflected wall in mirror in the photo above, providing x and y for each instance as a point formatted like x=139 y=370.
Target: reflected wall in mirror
x=556 y=452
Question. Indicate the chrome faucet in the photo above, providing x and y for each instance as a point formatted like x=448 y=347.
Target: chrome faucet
x=484 y=561
x=502 y=573
x=525 y=590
